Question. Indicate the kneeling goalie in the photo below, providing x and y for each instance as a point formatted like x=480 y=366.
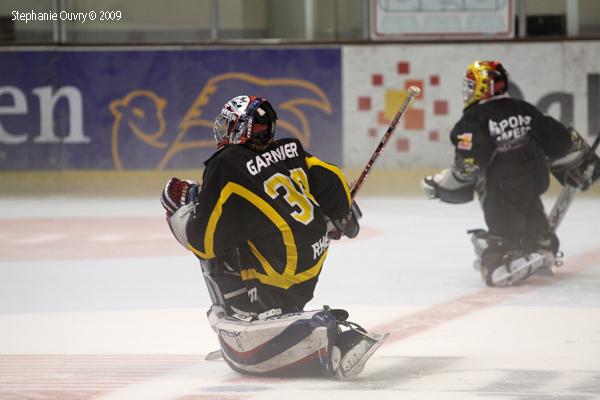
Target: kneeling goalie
x=259 y=224
x=504 y=151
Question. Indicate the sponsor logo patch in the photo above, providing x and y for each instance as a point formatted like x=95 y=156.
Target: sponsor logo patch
x=465 y=141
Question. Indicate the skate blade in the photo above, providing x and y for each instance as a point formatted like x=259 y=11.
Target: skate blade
x=551 y=266
x=502 y=277
x=358 y=367
x=214 y=355
x=547 y=271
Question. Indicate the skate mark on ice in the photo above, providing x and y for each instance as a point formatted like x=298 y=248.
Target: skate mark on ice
x=521 y=381
x=590 y=386
x=80 y=376
x=431 y=317
x=398 y=370
x=421 y=374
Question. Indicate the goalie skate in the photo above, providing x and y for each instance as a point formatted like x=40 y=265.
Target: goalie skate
x=517 y=270
x=480 y=243
x=354 y=360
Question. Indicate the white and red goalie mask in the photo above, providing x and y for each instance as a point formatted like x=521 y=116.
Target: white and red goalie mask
x=245 y=119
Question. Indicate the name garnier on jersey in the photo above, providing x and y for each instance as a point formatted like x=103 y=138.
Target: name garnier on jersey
x=279 y=153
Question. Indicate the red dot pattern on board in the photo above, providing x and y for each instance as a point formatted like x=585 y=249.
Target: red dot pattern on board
x=434 y=136
x=364 y=103
x=403 y=144
x=382 y=119
x=434 y=80
x=372 y=132
x=440 y=107
x=403 y=67
x=377 y=79
x=415 y=82
x=414 y=119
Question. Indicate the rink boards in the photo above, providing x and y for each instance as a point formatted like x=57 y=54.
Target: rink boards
x=152 y=108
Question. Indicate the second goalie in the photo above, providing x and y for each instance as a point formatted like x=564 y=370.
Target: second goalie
x=504 y=151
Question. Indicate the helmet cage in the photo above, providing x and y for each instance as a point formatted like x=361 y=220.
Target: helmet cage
x=468 y=89
x=483 y=80
x=235 y=124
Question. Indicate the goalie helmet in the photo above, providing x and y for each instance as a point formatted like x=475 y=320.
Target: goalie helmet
x=483 y=80
x=245 y=119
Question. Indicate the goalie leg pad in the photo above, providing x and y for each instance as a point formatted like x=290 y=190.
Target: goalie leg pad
x=294 y=344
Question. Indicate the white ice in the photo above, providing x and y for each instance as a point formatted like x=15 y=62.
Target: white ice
x=134 y=327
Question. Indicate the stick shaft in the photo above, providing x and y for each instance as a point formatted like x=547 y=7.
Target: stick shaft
x=595 y=143
x=384 y=140
x=566 y=196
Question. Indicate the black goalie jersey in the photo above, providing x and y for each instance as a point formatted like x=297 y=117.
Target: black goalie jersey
x=269 y=207
x=505 y=137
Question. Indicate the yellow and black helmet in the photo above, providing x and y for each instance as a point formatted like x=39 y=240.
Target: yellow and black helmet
x=483 y=80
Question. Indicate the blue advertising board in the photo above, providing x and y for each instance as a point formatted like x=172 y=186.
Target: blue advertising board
x=154 y=109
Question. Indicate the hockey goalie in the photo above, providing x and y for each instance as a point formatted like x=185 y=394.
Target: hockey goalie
x=505 y=149
x=259 y=224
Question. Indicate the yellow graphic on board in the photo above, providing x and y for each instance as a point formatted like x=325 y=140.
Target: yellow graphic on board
x=147 y=106
x=138 y=106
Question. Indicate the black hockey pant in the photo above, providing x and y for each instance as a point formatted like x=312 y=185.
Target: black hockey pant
x=512 y=206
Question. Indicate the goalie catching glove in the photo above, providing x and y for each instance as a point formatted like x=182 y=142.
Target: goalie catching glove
x=178 y=193
x=446 y=187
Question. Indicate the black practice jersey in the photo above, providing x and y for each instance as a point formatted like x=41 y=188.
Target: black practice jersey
x=269 y=207
x=504 y=132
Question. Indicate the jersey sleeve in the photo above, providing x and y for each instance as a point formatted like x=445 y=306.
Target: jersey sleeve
x=473 y=149
x=553 y=137
x=213 y=229
x=329 y=187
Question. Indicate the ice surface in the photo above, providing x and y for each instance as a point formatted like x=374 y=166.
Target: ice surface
x=98 y=301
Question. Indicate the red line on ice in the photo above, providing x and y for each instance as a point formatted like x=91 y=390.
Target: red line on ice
x=431 y=317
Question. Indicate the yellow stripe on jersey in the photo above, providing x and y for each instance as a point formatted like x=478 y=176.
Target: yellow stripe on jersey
x=314 y=161
x=273 y=278
x=286 y=232
x=312 y=271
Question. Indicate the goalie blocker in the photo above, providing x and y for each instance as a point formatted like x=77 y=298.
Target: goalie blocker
x=579 y=167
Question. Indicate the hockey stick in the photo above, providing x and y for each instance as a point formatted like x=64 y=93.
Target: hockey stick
x=413 y=92
x=566 y=196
